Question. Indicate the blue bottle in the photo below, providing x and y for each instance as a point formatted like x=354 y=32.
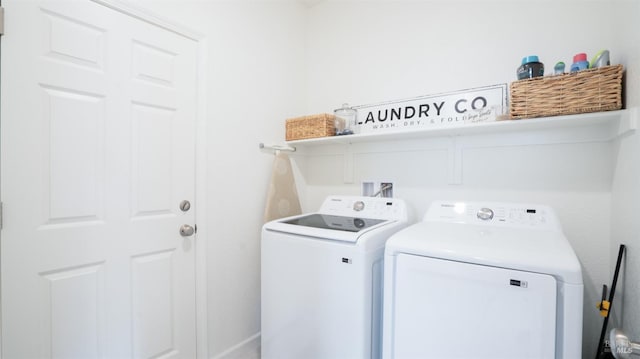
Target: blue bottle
x=579 y=62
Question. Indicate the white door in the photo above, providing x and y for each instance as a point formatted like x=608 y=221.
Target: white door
x=97 y=152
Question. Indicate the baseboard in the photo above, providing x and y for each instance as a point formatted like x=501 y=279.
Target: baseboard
x=246 y=349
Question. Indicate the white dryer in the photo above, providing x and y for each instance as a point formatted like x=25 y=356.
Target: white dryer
x=322 y=279
x=482 y=280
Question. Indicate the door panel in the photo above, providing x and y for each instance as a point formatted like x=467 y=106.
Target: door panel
x=73 y=41
x=73 y=192
x=152 y=146
x=153 y=65
x=98 y=146
x=152 y=304
x=75 y=303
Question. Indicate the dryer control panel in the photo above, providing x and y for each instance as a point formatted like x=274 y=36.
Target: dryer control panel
x=494 y=214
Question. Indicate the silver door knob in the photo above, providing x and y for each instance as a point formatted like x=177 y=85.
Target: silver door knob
x=186 y=230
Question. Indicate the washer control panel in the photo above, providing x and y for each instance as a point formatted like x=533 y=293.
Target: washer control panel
x=493 y=213
x=364 y=207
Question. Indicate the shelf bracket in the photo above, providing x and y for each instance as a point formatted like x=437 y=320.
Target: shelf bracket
x=628 y=123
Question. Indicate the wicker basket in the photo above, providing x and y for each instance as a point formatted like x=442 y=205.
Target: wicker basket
x=313 y=126
x=592 y=90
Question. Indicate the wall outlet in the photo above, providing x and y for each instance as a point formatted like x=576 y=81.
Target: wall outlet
x=377 y=189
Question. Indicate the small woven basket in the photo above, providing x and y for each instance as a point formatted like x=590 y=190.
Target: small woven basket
x=592 y=90
x=313 y=126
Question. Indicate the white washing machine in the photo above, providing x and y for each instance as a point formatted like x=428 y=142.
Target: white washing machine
x=482 y=280
x=322 y=279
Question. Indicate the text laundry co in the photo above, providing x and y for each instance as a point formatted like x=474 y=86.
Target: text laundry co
x=422 y=111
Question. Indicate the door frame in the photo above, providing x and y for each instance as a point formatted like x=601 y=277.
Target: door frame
x=148 y=16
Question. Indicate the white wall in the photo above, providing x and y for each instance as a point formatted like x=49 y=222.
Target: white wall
x=255 y=73
x=371 y=51
x=626 y=192
x=256 y=76
x=367 y=52
x=268 y=60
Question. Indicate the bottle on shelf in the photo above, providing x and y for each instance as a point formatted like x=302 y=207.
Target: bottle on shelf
x=579 y=62
x=531 y=67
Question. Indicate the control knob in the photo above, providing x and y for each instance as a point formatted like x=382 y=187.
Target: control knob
x=485 y=214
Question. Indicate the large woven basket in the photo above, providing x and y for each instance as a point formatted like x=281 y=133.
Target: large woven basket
x=592 y=90
x=313 y=126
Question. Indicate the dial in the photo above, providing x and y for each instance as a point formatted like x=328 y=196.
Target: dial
x=485 y=214
x=358 y=206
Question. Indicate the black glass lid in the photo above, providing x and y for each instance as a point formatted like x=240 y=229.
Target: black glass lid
x=340 y=223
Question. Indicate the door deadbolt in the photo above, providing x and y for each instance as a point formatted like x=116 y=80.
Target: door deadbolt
x=186 y=230
x=185 y=205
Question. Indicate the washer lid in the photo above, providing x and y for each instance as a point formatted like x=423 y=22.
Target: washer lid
x=338 y=223
x=539 y=251
x=324 y=226
x=345 y=218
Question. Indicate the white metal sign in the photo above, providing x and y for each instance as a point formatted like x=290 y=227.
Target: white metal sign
x=442 y=110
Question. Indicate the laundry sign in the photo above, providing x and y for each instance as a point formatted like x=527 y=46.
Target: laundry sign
x=442 y=110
